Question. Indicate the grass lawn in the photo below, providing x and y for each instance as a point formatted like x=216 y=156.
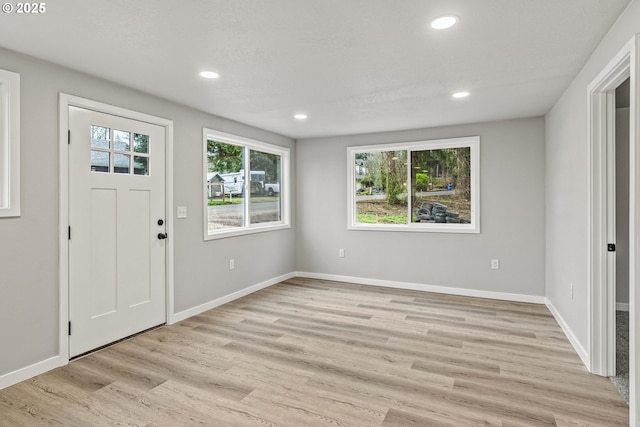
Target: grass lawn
x=238 y=200
x=364 y=218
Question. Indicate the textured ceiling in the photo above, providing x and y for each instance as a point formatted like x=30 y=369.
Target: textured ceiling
x=353 y=66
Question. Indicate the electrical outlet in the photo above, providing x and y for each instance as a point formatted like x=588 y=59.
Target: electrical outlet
x=232 y=264
x=341 y=253
x=495 y=264
x=182 y=212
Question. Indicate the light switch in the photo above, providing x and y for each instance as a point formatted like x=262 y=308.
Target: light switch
x=182 y=212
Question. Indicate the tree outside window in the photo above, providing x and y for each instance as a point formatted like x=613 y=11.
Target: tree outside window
x=423 y=186
x=245 y=185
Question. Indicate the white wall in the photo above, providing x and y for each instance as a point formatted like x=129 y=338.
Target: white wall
x=567 y=182
x=512 y=215
x=29 y=244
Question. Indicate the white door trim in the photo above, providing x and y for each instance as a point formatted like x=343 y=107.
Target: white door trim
x=602 y=212
x=64 y=102
x=601 y=133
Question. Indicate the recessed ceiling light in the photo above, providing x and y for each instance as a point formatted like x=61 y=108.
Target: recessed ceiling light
x=444 y=22
x=300 y=116
x=209 y=74
x=461 y=94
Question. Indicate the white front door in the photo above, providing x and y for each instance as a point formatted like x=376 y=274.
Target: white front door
x=116 y=228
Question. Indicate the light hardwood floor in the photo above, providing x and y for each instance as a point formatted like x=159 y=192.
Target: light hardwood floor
x=315 y=353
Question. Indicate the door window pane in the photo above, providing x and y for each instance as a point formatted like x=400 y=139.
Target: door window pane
x=121 y=163
x=140 y=165
x=100 y=137
x=100 y=161
x=140 y=143
x=121 y=140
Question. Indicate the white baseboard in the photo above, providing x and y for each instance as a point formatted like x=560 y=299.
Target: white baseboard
x=30 y=371
x=582 y=353
x=427 y=288
x=622 y=306
x=185 y=314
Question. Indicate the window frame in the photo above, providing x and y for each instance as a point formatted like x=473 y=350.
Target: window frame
x=9 y=144
x=248 y=144
x=473 y=142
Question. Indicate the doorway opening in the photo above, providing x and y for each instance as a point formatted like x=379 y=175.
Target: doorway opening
x=620 y=376
x=608 y=220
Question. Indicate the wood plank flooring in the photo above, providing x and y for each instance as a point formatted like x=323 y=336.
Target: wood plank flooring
x=318 y=353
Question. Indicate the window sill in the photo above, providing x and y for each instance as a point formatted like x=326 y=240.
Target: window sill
x=246 y=230
x=418 y=228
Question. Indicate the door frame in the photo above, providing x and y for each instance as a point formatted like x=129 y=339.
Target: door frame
x=64 y=102
x=601 y=203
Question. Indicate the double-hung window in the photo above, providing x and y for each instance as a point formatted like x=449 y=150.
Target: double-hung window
x=246 y=185
x=416 y=186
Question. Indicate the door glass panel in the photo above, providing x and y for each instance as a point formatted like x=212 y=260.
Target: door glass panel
x=99 y=161
x=140 y=143
x=121 y=163
x=121 y=140
x=140 y=165
x=99 y=137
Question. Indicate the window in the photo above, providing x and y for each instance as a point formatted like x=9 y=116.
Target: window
x=113 y=152
x=9 y=144
x=416 y=186
x=246 y=185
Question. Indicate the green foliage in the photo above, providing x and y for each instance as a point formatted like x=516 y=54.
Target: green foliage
x=439 y=183
x=224 y=158
x=267 y=162
x=422 y=182
x=140 y=143
x=229 y=158
x=388 y=219
x=396 y=175
x=395 y=192
x=220 y=202
x=366 y=182
x=462 y=173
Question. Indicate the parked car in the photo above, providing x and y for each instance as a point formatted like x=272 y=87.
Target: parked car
x=272 y=189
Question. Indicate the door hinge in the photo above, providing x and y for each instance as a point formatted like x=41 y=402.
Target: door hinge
x=611 y=247
x=69 y=136
x=69 y=232
x=69 y=328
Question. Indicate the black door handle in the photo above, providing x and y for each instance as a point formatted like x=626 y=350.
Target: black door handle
x=162 y=236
